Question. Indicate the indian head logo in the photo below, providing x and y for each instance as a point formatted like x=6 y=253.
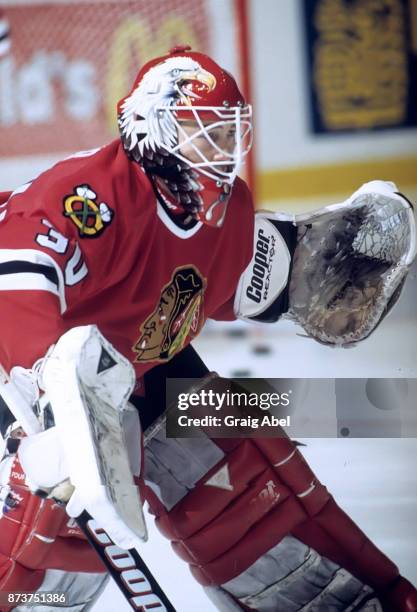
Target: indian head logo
x=86 y=213
x=178 y=314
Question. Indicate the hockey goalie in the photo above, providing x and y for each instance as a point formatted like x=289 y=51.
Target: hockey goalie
x=110 y=263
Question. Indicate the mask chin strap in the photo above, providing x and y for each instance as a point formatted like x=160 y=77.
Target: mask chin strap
x=221 y=200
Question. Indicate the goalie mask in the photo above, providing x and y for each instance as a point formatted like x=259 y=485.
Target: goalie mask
x=191 y=169
x=337 y=271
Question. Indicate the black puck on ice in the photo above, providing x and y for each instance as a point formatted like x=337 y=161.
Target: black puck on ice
x=261 y=349
x=237 y=333
x=241 y=374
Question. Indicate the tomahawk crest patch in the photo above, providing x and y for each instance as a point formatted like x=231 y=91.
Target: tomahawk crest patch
x=178 y=315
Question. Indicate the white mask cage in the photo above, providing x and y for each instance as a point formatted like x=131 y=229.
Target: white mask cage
x=239 y=118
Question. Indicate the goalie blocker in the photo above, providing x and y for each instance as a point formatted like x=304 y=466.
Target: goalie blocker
x=337 y=271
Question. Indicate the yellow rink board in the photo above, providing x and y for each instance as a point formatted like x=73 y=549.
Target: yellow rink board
x=316 y=182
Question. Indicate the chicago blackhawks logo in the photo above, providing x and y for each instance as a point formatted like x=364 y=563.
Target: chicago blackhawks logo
x=178 y=314
x=90 y=217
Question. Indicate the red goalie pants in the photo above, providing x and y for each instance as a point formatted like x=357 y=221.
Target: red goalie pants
x=260 y=532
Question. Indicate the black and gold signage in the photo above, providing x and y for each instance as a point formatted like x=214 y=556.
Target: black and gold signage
x=362 y=60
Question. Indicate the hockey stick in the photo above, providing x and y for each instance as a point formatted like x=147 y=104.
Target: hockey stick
x=127 y=568
x=131 y=574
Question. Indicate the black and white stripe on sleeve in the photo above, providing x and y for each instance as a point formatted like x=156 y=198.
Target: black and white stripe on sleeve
x=28 y=269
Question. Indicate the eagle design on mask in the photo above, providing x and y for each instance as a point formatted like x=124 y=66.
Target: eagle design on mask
x=143 y=122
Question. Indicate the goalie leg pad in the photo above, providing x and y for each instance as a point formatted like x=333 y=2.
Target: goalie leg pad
x=36 y=533
x=244 y=504
x=81 y=590
x=40 y=547
x=292 y=576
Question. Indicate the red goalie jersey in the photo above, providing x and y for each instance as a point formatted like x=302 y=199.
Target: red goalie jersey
x=89 y=242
